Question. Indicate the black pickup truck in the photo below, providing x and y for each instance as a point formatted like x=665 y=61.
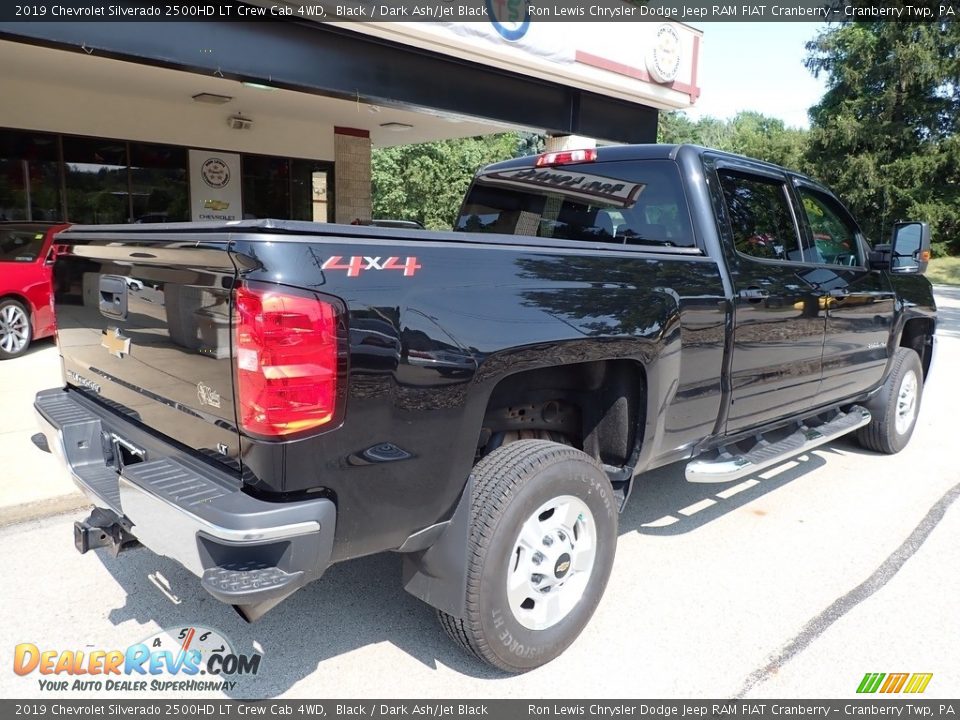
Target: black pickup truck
x=258 y=400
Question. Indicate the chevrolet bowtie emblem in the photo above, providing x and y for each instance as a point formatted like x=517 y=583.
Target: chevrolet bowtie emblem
x=115 y=343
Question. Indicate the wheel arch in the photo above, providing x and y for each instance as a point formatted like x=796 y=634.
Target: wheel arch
x=599 y=405
x=20 y=298
x=917 y=334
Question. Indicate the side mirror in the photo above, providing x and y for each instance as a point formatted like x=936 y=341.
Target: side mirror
x=910 y=247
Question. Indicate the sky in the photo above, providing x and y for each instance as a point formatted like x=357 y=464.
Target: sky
x=757 y=66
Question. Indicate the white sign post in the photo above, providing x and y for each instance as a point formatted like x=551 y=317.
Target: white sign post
x=215 y=186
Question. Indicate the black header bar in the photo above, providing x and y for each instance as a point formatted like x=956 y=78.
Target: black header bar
x=509 y=13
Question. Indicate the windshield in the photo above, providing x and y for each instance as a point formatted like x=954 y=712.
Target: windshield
x=629 y=202
x=20 y=245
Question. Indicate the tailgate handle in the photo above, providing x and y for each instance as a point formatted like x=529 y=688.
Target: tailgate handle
x=113 y=296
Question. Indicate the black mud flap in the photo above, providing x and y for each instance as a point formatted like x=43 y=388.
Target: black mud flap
x=438 y=574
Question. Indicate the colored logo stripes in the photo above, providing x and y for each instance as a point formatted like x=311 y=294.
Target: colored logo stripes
x=894 y=682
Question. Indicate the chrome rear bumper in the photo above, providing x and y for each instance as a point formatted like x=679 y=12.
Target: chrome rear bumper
x=244 y=549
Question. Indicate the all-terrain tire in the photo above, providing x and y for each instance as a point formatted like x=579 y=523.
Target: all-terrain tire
x=895 y=407
x=519 y=487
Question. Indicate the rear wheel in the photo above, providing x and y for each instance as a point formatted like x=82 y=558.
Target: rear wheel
x=15 y=331
x=542 y=543
x=895 y=407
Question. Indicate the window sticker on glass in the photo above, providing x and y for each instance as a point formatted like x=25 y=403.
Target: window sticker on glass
x=573 y=184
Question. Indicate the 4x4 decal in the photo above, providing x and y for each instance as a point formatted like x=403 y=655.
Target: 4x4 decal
x=356 y=264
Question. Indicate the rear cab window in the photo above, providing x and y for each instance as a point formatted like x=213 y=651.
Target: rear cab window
x=634 y=203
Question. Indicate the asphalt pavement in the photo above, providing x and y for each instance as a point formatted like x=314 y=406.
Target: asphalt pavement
x=794 y=583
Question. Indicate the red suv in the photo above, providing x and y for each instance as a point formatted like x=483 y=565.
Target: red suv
x=26 y=301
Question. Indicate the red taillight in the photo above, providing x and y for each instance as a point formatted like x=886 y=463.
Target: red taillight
x=566 y=157
x=285 y=349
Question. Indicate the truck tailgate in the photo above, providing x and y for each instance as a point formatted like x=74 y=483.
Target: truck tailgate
x=143 y=326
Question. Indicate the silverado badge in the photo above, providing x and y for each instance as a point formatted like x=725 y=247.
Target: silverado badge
x=115 y=343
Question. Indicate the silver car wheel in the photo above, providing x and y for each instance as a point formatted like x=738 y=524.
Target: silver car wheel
x=906 y=402
x=551 y=563
x=14 y=329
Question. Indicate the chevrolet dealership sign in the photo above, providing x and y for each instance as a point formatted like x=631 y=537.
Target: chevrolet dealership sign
x=653 y=63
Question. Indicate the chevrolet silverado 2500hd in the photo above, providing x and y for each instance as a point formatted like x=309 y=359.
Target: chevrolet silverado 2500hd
x=258 y=400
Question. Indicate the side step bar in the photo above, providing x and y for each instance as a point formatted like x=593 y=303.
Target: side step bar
x=728 y=466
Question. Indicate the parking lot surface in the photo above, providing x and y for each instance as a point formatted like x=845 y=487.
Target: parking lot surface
x=794 y=583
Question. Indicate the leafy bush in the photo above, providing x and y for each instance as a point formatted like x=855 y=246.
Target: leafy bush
x=939 y=249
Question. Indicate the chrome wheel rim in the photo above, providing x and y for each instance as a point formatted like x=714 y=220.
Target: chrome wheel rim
x=14 y=329
x=906 y=402
x=551 y=562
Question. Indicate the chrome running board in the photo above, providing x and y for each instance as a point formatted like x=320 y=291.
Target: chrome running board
x=728 y=466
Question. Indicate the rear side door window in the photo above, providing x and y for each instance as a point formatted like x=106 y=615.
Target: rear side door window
x=761 y=218
x=834 y=236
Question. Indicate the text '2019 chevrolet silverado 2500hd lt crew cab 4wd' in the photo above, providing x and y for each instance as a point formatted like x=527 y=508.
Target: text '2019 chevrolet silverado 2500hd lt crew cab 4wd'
x=262 y=399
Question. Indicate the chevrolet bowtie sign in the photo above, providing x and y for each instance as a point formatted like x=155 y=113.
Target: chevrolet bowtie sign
x=115 y=343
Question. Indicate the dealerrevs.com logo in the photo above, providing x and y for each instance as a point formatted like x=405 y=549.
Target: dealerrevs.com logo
x=174 y=660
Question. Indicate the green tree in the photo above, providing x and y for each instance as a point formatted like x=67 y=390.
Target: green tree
x=529 y=143
x=749 y=133
x=884 y=135
x=427 y=182
x=676 y=128
x=766 y=138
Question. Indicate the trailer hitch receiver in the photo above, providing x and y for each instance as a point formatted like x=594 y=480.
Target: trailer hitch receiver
x=103 y=528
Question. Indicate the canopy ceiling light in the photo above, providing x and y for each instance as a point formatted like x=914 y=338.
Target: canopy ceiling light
x=212 y=98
